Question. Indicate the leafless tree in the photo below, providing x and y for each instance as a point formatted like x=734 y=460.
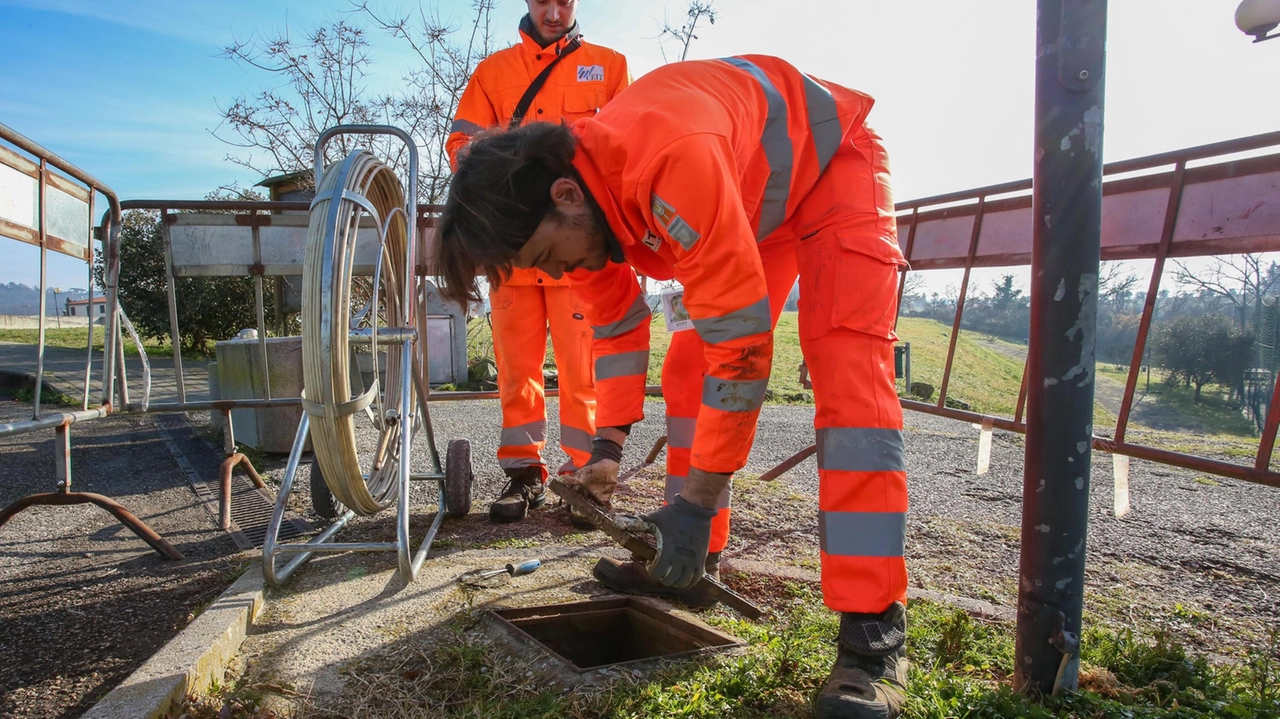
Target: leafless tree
x=686 y=33
x=1115 y=282
x=323 y=78
x=324 y=84
x=448 y=55
x=1241 y=280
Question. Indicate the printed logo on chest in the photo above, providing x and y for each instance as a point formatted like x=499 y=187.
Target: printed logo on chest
x=591 y=73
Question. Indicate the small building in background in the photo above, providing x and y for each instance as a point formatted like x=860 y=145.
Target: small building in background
x=81 y=308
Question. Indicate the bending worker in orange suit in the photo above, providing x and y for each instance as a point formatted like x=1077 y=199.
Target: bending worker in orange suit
x=731 y=176
x=583 y=79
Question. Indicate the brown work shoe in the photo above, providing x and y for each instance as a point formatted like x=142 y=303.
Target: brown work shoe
x=869 y=679
x=523 y=492
x=633 y=578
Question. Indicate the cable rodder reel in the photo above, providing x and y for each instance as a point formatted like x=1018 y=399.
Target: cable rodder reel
x=361 y=296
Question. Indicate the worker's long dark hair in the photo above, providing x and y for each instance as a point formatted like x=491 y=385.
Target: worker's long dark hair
x=499 y=195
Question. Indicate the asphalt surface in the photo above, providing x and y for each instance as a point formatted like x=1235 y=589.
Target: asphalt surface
x=83 y=602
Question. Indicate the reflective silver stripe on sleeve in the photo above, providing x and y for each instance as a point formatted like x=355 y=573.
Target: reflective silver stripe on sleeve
x=729 y=395
x=676 y=483
x=521 y=435
x=574 y=438
x=861 y=449
x=824 y=122
x=680 y=431
x=777 y=149
x=636 y=314
x=750 y=320
x=863 y=534
x=466 y=127
x=623 y=364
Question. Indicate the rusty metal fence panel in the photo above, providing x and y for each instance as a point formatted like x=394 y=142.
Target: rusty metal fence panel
x=1199 y=202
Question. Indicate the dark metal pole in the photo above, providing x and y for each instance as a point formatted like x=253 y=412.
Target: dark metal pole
x=1067 y=205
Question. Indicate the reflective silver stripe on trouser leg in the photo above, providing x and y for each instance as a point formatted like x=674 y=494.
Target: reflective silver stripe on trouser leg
x=623 y=364
x=676 y=483
x=680 y=431
x=776 y=142
x=573 y=438
x=861 y=534
x=861 y=449
x=522 y=436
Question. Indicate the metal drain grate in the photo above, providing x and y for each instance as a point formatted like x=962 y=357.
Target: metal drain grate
x=250 y=506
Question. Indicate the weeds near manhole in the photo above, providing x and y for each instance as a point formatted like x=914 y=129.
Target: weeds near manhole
x=960 y=668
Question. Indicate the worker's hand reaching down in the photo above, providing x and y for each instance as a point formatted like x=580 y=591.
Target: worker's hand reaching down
x=683 y=531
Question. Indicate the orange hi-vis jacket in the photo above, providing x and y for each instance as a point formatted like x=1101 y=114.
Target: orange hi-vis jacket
x=578 y=87
x=694 y=167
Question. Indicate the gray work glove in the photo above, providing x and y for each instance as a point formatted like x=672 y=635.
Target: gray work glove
x=683 y=531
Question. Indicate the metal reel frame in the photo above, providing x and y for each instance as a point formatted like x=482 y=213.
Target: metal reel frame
x=412 y=345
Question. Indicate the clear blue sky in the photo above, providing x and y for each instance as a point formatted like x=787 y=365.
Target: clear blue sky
x=130 y=90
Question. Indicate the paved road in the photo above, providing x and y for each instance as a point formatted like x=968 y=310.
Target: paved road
x=64 y=370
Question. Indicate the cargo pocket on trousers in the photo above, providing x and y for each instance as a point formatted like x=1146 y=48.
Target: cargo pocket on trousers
x=848 y=281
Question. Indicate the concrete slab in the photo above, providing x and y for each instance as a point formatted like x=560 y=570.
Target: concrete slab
x=342 y=608
x=190 y=662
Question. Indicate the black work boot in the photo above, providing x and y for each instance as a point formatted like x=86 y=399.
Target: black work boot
x=869 y=679
x=633 y=578
x=524 y=491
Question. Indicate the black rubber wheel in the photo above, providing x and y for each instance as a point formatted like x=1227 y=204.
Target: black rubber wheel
x=323 y=502
x=457 y=478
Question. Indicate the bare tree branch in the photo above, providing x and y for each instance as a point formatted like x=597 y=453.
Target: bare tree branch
x=685 y=34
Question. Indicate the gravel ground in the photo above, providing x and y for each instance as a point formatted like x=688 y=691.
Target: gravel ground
x=1193 y=556
x=83 y=602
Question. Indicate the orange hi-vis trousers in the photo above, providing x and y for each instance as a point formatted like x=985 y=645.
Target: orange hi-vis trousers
x=683 y=372
x=521 y=314
x=848 y=302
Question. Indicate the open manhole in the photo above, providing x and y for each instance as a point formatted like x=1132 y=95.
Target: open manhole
x=608 y=632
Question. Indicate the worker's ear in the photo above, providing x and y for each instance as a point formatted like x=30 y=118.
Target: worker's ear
x=566 y=193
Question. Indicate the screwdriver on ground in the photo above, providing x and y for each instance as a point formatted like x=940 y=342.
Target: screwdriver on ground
x=526 y=567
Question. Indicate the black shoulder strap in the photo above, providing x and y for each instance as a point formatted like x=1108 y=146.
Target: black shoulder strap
x=534 y=87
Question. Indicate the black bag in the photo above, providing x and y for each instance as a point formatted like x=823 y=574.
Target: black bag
x=527 y=99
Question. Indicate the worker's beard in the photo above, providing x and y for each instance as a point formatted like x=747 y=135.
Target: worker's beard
x=587 y=233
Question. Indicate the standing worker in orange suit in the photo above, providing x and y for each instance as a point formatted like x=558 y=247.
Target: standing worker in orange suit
x=550 y=76
x=733 y=177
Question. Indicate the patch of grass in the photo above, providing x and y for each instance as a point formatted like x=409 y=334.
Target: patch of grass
x=47 y=399
x=511 y=543
x=1206 y=482
x=961 y=667
x=78 y=338
x=1213 y=414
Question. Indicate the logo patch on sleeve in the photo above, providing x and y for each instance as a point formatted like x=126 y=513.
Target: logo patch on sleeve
x=679 y=230
x=651 y=241
x=591 y=73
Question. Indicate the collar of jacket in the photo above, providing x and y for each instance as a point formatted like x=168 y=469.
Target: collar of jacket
x=616 y=234
x=529 y=36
